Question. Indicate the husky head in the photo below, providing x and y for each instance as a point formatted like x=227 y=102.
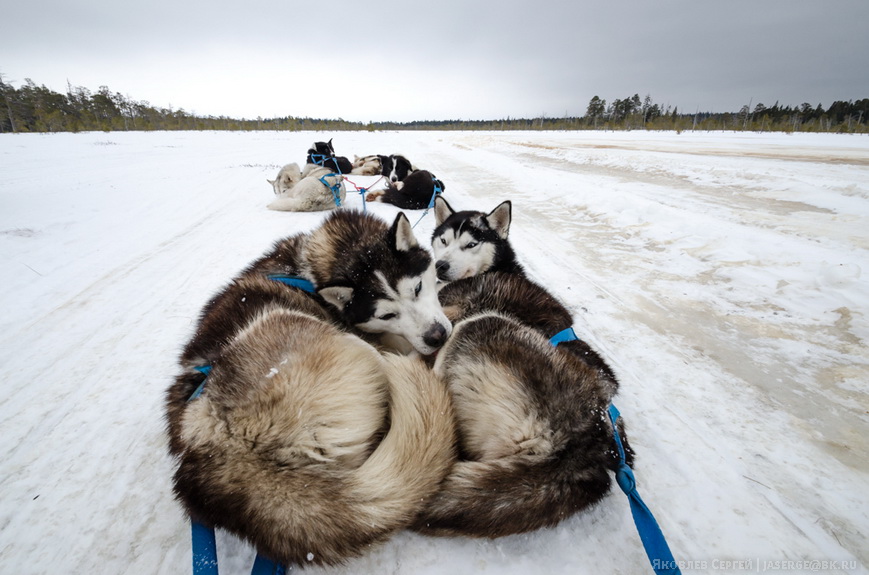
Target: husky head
x=386 y=165
x=379 y=277
x=401 y=167
x=323 y=148
x=319 y=152
x=288 y=177
x=469 y=243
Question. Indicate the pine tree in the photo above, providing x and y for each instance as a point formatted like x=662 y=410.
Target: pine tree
x=596 y=109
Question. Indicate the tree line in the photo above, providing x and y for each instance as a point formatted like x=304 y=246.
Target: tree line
x=33 y=108
x=633 y=113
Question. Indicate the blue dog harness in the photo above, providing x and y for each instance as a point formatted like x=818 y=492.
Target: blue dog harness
x=294 y=281
x=651 y=535
x=322 y=160
x=336 y=187
x=202 y=538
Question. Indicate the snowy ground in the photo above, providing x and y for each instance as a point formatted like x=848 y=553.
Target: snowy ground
x=723 y=276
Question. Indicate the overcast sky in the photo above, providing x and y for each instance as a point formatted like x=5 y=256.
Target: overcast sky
x=366 y=60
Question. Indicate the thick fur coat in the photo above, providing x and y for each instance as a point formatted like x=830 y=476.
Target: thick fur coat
x=535 y=443
x=318 y=189
x=306 y=440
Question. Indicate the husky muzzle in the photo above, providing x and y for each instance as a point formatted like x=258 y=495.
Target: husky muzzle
x=435 y=336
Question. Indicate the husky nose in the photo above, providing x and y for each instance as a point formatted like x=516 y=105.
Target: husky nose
x=435 y=336
x=442 y=267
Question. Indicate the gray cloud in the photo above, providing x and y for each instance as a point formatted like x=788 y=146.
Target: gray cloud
x=452 y=59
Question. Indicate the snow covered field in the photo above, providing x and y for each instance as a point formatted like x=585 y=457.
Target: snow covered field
x=723 y=276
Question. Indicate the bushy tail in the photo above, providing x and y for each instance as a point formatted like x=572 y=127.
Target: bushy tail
x=274 y=449
x=388 y=491
x=418 y=451
x=512 y=495
x=532 y=431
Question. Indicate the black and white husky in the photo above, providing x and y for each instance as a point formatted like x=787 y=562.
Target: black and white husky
x=401 y=168
x=323 y=154
x=414 y=192
x=468 y=243
x=304 y=438
x=535 y=444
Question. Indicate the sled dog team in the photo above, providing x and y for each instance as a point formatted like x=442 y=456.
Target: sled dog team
x=320 y=185
x=333 y=393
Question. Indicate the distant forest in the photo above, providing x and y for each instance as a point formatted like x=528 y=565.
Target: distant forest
x=33 y=108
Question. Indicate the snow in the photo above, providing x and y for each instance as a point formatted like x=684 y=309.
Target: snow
x=723 y=276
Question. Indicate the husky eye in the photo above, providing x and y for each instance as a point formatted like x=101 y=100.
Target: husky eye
x=470 y=245
x=417 y=289
x=443 y=242
x=387 y=316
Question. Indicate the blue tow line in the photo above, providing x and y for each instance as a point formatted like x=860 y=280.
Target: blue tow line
x=653 y=539
x=202 y=537
x=437 y=190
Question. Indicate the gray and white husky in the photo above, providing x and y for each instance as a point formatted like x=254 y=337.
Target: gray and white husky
x=305 y=439
x=535 y=444
x=316 y=189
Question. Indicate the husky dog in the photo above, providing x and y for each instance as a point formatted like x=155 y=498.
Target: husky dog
x=415 y=192
x=474 y=245
x=318 y=189
x=535 y=443
x=306 y=440
x=375 y=165
x=366 y=276
x=468 y=243
x=287 y=177
x=401 y=168
x=387 y=165
x=323 y=154
x=366 y=166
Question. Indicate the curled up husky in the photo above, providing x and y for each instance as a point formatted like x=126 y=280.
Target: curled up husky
x=373 y=165
x=415 y=192
x=317 y=189
x=306 y=439
x=535 y=444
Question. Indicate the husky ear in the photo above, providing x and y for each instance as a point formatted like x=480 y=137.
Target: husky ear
x=442 y=210
x=401 y=235
x=499 y=219
x=272 y=182
x=337 y=295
